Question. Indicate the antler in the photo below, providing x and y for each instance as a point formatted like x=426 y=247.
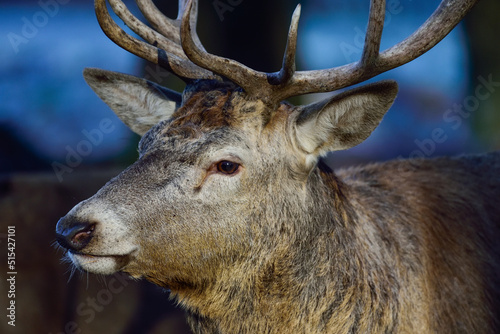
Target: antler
x=175 y=45
x=442 y=21
x=163 y=44
x=275 y=87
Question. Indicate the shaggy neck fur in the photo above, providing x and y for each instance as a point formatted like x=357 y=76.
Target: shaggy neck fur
x=282 y=289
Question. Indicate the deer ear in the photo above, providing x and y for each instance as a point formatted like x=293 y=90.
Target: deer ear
x=139 y=103
x=343 y=121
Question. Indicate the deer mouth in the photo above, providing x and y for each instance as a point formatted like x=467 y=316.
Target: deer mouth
x=100 y=263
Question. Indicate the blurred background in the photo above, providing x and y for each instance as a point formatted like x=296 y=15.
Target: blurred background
x=49 y=161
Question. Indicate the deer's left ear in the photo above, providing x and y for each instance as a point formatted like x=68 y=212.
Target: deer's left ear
x=343 y=121
x=139 y=103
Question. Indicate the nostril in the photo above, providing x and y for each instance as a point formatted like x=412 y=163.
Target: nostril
x=74 y=235
x=84 y=235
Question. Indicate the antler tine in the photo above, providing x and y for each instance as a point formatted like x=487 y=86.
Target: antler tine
x=148 y=34
x=183 y=4
x=373 y=33
x=443 y=20
x=243 y=76
x=117 y=35
x=169 y=60
x=166 y=26
x=428 y=35
x=288 y=67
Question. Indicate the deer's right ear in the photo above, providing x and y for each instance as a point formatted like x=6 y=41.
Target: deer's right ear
x=342 y=121
x=139 y=103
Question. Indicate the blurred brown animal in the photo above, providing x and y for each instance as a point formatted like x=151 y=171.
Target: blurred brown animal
x=231 y=208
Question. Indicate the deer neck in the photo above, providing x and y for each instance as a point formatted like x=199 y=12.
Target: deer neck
x=284 y=288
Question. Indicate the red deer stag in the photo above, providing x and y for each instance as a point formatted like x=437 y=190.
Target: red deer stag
x=231 y=208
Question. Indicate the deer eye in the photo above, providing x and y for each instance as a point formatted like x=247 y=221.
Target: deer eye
x=227 y=167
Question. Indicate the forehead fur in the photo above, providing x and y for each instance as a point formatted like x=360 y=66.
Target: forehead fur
x=215 y=107
x=210 y=105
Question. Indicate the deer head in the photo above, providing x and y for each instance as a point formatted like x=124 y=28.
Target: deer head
x=228 y=173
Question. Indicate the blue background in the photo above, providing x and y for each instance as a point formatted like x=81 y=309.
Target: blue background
x=46 y=104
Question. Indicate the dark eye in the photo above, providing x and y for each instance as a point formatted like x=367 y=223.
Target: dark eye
x=227 y=167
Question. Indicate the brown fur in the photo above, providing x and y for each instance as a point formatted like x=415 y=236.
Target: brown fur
x=288 y=246
x=282 y=244
x=459 y=256
x=202 y=113
x=397 y=275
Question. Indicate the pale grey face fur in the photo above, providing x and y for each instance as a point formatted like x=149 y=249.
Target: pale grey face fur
x=174 y=214
x=144 y=213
